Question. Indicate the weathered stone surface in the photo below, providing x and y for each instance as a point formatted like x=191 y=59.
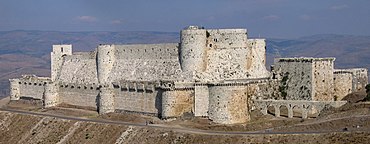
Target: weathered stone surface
x=342 y=84
x=305 y=78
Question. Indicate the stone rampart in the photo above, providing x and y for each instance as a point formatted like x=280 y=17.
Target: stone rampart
x=147 y=51
x=342 y=84
x=31 y=86
x=177 y=102
x=85 y=95
x=305 y=106
x=228 y=104
x=145 y=70
x=138 y=96
x=224 y=64
x=79 y=68
x=359 y=77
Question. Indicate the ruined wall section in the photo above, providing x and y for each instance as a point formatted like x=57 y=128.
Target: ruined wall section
x=323 y=74
x=256 y=67
x=296 y=77
x=57 y=58
x=148 y=62
x=85 y=95
x=79 y=68
x=342 y=84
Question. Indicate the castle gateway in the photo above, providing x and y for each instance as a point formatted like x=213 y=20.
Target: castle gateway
x=213 y=73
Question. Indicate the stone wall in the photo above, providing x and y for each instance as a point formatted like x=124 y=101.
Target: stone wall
x=140 y=97
x=145 y=63
x=323 y=75
x=342 y=84
x=85 y=95
x=79 y=68
x=257 y=65
x=296 y=77
x=226 y=64
x=51 y=95
x=15 y=92
x=106 y=99
x=57 y=58
x=359 y=77
x=177 y=102
x=228 y=104
x=201 y=101
x=305 y=78
x=32 y=87
x=226 y=38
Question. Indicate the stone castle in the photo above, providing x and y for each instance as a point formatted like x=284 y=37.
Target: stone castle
x=218 y=74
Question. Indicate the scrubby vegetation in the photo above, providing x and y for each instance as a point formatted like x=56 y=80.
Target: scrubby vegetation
x=367 y=98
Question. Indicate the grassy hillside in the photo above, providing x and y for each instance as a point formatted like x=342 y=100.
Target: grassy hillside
x=28 y=52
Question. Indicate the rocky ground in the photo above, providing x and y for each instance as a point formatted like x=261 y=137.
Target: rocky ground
x=347 y=124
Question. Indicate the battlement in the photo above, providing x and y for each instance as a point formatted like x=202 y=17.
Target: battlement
x=304 y=59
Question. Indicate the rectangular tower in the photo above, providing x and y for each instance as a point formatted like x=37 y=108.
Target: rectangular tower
x=305 y=78
x=59 y=51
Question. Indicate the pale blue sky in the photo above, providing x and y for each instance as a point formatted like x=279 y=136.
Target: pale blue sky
x=268 y=18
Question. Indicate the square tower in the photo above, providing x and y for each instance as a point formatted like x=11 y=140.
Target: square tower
x=305 y=78
x=59 y=51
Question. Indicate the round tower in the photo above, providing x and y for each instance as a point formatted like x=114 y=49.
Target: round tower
x=104 y=62
x=193 y=49
x=51 y=97
x=14 y=89
x=106 y=100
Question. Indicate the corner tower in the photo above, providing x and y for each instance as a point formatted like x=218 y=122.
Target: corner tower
x=105 y=59
x=193 y=49
x=59 y=51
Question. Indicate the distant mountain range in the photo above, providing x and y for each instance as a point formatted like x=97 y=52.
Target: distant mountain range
x=28 y=52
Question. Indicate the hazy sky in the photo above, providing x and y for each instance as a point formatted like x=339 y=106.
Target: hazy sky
x=268 y=18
